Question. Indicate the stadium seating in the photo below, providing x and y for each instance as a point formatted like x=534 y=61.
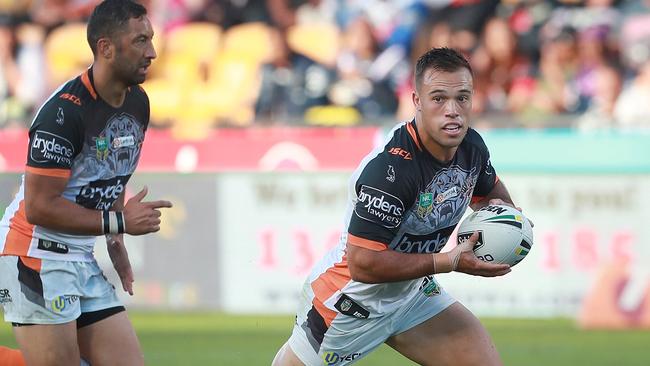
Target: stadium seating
x=250 y=41
x=189 y=48
x=319 y=41
x=66 y=55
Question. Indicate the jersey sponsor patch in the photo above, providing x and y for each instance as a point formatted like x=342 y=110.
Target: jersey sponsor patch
x=101 y=194
x=379 y=207
x=47 y=147
x=123 y=141
x=427 y=243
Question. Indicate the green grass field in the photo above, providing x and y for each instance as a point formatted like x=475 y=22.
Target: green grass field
x=226 y=340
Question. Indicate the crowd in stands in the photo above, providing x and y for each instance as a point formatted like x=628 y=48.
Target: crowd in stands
x=582 y=64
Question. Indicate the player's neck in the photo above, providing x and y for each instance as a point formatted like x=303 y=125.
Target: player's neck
x=111 y=90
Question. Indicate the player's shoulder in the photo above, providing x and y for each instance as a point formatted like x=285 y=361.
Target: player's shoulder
x=73 y=95
x=474 y=140
x=395 y=155
x=139 y=94
x=401 y=145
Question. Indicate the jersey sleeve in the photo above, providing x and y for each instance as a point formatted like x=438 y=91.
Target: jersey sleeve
x=55 y=139
x=382 y=199
x=487 y=176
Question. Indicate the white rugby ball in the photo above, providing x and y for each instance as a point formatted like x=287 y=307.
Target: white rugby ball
x=505 y=234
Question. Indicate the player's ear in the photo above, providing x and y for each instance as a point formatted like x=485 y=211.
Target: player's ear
x=416 y=101
x=105 y=48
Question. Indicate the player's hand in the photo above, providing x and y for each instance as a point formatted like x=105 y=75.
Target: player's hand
x=120 y=258
x=470 y=264
x=143 y=217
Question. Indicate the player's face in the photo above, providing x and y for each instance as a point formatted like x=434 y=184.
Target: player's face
x=134 y=51
x=443 y=102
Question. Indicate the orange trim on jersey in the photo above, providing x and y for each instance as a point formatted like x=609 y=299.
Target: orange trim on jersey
x=327 y=284
x=480 y=198
x=20 y=232
x=85 y=79
x=414 y=136
x=476 y=199
x=33 y=263
x=50 y=172
x=365 y=243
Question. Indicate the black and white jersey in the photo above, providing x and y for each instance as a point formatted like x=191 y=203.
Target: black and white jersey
x=78 y=136
x=400 y=198
x=405 y=199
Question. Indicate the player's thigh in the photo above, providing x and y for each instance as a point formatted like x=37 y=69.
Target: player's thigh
x=48 y=345
x=286 y=357
x=452 y=337
x=110 y=341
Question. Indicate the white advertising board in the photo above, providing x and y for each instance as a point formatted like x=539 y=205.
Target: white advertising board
x=274 y=226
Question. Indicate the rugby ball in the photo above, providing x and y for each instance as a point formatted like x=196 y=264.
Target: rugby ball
x=505 y=234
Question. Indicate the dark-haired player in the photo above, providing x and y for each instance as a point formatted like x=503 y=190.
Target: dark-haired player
x=377 y=286
x=84 y=145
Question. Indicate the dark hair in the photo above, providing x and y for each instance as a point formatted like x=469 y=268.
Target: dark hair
x=442 y=59
x=111 y=17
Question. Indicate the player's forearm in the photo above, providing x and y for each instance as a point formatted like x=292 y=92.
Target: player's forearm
x=498 y=191
x=62 y=215
x=389 y=266
x=59 y=214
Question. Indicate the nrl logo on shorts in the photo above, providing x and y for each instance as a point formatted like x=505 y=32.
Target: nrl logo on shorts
x=425 y=204
x=346 y=305
x=429 y=287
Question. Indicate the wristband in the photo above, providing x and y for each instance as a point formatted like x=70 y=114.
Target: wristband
x=113 y=222
x=106 y=222
x=121 y=228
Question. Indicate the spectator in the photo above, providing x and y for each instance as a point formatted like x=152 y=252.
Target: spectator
x=606 y=89
x=632 y=108
x=498 y=68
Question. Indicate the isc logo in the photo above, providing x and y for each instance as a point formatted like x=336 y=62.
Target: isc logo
x=400 y=152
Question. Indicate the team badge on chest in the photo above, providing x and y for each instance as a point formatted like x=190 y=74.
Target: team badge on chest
x=101 y=146
x=425 y=204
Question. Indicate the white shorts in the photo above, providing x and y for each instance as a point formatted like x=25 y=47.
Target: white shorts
x=349 y=338
x=43 y=291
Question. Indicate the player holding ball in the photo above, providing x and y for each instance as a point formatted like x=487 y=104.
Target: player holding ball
x=406 y=197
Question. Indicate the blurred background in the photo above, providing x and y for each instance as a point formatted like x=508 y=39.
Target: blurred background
x=262 y=108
